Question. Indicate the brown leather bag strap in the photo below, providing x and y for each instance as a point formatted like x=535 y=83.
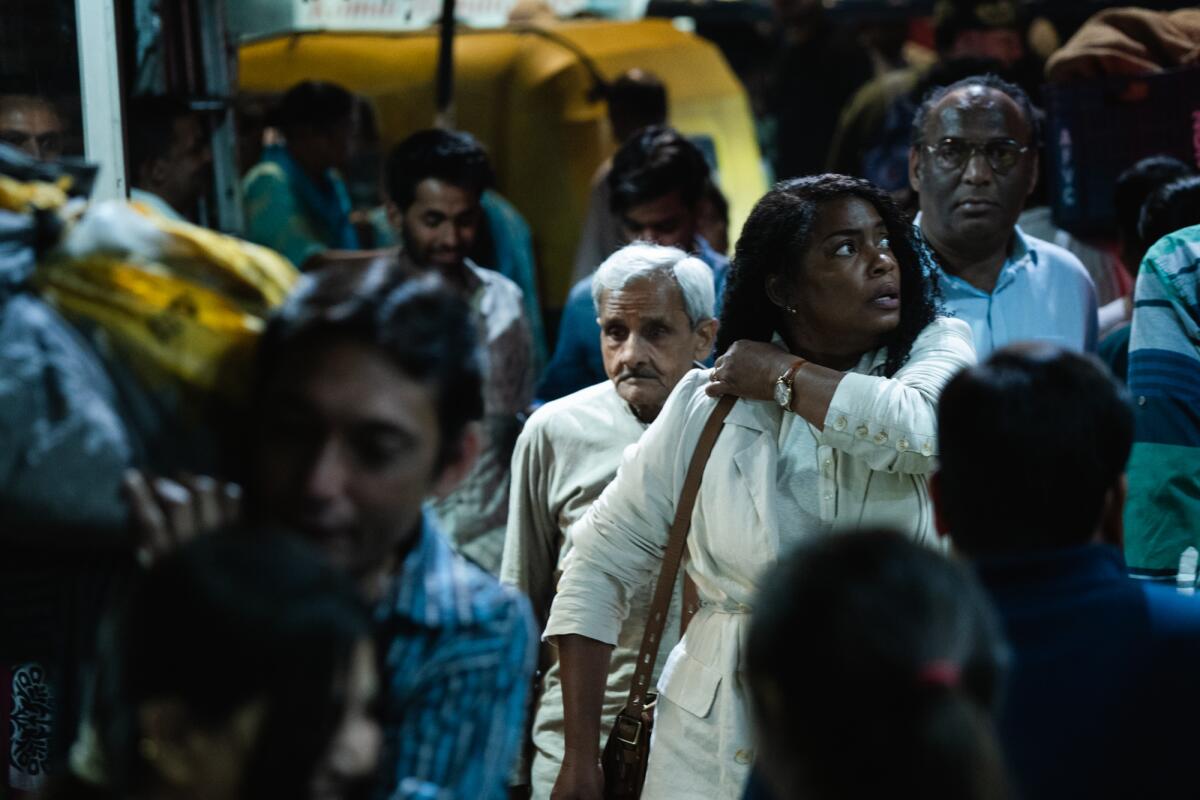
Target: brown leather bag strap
x=656 y=620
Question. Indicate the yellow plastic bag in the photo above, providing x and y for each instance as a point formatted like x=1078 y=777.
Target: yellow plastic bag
x=182 y=303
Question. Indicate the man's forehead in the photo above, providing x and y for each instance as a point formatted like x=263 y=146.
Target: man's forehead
x=655 y=296
x=976 y=108
x=350 y=382
x=434 y=193
x=29 y=113
x=665 y=205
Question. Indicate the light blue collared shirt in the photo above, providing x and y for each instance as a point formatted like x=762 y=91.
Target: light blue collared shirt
x=1043 y=293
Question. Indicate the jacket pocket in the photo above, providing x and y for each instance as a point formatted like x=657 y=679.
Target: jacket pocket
x=690 y=684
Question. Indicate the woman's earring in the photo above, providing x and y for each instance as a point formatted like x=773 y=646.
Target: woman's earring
x=790 y=309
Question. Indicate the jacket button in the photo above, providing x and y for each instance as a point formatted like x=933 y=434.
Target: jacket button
x=902 y=445
x=861 y=432
x=840 y=424
x=881 y=437
x=927 y=449
x=743 y=757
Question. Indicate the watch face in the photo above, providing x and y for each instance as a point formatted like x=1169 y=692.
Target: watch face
x=783 y=394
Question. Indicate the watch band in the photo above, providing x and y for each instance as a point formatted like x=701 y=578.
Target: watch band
x=789 y=377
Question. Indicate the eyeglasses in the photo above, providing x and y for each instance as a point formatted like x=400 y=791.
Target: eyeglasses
x=952 y=154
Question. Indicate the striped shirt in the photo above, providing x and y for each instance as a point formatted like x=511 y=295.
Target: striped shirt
x=1164 y=380
x=458 y=658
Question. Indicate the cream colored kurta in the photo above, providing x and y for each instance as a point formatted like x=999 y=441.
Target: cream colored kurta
x=568 y=452
x=875 y=451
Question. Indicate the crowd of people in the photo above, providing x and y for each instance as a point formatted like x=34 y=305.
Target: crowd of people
x=326 y=523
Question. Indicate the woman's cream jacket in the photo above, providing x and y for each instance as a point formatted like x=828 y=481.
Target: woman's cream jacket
x=876 y=450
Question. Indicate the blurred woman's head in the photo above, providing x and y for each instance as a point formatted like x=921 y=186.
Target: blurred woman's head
x=874 y=666
x=240 y=666
x=828 y=263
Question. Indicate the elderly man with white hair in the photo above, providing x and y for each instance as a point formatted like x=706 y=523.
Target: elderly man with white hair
x=654 y=306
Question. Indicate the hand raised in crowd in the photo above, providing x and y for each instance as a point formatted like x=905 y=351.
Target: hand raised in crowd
x=168 y=513
x=578 y=781
x=749 y=369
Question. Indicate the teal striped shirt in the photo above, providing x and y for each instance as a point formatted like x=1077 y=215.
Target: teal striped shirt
x=458 y=650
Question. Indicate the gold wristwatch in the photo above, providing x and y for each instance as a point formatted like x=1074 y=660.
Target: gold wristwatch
x=783 y=386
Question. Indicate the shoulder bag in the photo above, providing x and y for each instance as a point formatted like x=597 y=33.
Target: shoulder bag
x=628 y=747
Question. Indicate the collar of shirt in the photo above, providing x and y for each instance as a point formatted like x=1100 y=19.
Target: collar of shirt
x=1022 y=256
x=476 y=280
x=706 y=253
x=438 y=589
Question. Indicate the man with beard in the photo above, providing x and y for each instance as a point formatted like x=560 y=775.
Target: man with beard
x=435 y=180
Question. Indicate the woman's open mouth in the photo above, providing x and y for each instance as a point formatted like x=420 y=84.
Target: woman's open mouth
x=887 y=299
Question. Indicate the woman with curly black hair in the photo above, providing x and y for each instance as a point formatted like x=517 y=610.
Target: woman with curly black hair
x=831 y=340
x=773 y=242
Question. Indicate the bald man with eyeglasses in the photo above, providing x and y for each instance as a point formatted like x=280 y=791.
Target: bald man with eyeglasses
x=973 y=162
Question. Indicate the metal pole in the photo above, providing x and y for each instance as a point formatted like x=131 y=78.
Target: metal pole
x=100 y=87
x=218 y=83
x=445 y=68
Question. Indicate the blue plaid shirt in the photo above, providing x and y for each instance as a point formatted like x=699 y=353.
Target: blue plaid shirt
x=458 y=653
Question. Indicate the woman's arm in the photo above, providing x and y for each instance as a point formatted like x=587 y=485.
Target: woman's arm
x=891 y=423
x=752 y=369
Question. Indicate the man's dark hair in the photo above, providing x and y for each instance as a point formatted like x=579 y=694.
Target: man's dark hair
x=1030 y=443
x=453 y=157
x=775 y=240
x=1033 y=117
x=1169 y=208
x=152 y=128
x=228 y=619
x=655 y=162
x=314 y=106
x=423 y=327
x=868 y=648
x=636 y=100
x=1134 y=186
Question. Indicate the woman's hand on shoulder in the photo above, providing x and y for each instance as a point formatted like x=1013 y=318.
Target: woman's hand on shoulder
x=750 y=370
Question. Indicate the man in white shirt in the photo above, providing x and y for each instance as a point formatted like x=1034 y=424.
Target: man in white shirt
x=973 y=162
x=435 y=181
x=655 y=310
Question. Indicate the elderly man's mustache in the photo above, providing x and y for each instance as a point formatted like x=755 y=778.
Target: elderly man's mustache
x=637 y=373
